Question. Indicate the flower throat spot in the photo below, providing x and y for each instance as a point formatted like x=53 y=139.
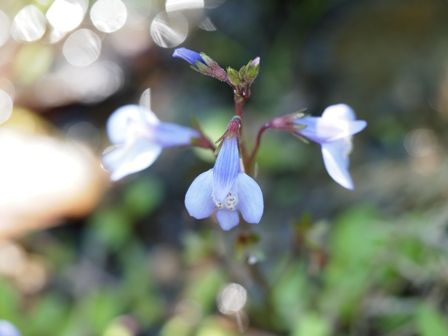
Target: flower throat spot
x=230 y=202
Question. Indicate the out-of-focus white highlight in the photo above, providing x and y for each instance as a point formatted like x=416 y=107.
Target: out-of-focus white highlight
x=55 y=36
x=94 y=83
x=207 y=25
x=6 y=105
x=168 y=30
x=108 y=15
x=43 y=178
x=176 y=5
x=133 y=38
x=4 y=28
x=36 y=167
x=66 y=15
x=232 y=299
x=29 y=24
x=82 y=48
x=7 y=86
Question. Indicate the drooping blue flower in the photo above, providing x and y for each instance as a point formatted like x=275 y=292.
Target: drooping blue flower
x=138 y=138
x=8 y=329
x=333 y=131
x=188 y=55
x=225 y=190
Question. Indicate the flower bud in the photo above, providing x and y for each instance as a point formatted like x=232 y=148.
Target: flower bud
x=188 y=55
x=202 y=63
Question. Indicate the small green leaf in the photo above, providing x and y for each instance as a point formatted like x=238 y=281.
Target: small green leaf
x=177 y=326
x=233 y=76
x=311 y=324
x=430 y=322
x=111 y=227
x=143 y=196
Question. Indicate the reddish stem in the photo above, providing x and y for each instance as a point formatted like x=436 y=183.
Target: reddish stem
x=239 y=105
x=250 y=162
x=204 y=142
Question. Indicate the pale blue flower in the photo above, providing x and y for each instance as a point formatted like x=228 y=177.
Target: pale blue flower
x=138 y=138
x=225 y=190
x=8 y=329
x=188 y=55
x=333 y=131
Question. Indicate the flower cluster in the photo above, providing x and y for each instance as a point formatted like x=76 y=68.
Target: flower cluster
x=227 y=190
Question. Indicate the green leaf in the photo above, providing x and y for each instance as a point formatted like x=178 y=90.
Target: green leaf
x=233 y=76
x=48 y=316
x=312 y=324
x=111 y=227
x=177 y=326
x=354 y=247
x=215 y=327
x=251 y=70
x=204 y=287
x=9 y=302
x=290 y=294
x=430 y=322
x=100 y=307
x=143 y=196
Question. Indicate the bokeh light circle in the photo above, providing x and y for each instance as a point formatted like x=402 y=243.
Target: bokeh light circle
x=178 y=5
x=66 y=15
x=29 y=24
x=82 y=48
x=6 y=105
x=108 y=16
x=4 y=28
x=168 y=30
x=232 y=299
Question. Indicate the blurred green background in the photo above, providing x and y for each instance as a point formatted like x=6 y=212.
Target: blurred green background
x=323 y=261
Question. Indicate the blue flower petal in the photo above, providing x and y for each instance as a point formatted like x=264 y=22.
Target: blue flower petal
x=322 y=130
x=335 y=155
x=339 y=112
x=227 y=219
x=131 y=158
x=188 y=55
x=168 y=134
x=250 y=199
x=125 y=119
x=198 y=199
x=8 y=329
x=226 y=169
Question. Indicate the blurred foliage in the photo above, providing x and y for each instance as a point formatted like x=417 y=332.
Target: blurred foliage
x=358 y=281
